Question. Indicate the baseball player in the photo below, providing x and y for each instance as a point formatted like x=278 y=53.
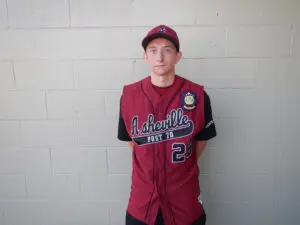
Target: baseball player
x=167 y=121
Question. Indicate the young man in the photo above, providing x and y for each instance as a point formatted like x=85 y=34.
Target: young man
x=166 y=120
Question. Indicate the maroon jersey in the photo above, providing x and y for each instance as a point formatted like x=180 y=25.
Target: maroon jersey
x=164 y=164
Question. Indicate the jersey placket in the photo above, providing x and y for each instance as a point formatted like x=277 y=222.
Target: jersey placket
x=160 y=105
x=160 y=197
x=155 y=202
x=161 y=161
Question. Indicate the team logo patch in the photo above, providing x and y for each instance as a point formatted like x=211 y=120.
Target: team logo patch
x=188 y=100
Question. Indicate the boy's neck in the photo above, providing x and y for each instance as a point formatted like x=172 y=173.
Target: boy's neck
x=163 y=81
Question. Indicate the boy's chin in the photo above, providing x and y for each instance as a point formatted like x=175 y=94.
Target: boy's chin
x=161 y=72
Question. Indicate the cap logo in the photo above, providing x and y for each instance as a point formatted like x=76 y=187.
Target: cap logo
x=162 y=30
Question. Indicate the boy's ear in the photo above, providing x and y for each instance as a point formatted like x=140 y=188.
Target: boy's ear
x=179 y=56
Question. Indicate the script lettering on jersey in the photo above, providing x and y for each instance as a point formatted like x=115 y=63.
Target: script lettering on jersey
x=174 y=126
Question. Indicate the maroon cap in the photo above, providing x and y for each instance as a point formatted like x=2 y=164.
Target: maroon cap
x=161 y=31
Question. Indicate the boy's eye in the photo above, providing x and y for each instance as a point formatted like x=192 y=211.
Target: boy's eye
x=168 y=50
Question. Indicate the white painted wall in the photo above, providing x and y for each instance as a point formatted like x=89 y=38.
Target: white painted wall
x=63 y=64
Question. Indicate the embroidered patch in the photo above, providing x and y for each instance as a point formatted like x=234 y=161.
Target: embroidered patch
x=188 y=100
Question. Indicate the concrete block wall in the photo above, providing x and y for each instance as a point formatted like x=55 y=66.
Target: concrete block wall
x=63 y=64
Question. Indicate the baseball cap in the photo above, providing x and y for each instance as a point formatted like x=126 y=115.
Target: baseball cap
x=161 y=31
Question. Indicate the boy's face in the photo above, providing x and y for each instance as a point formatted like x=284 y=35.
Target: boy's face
x=162 y=56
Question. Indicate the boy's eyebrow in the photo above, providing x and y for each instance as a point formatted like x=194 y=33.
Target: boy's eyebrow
x=169 y=46
x=166 y=46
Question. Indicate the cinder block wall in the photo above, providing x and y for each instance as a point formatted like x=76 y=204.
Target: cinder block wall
x=63 y=64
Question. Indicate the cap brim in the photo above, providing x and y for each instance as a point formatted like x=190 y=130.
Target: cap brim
x=149 y=38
